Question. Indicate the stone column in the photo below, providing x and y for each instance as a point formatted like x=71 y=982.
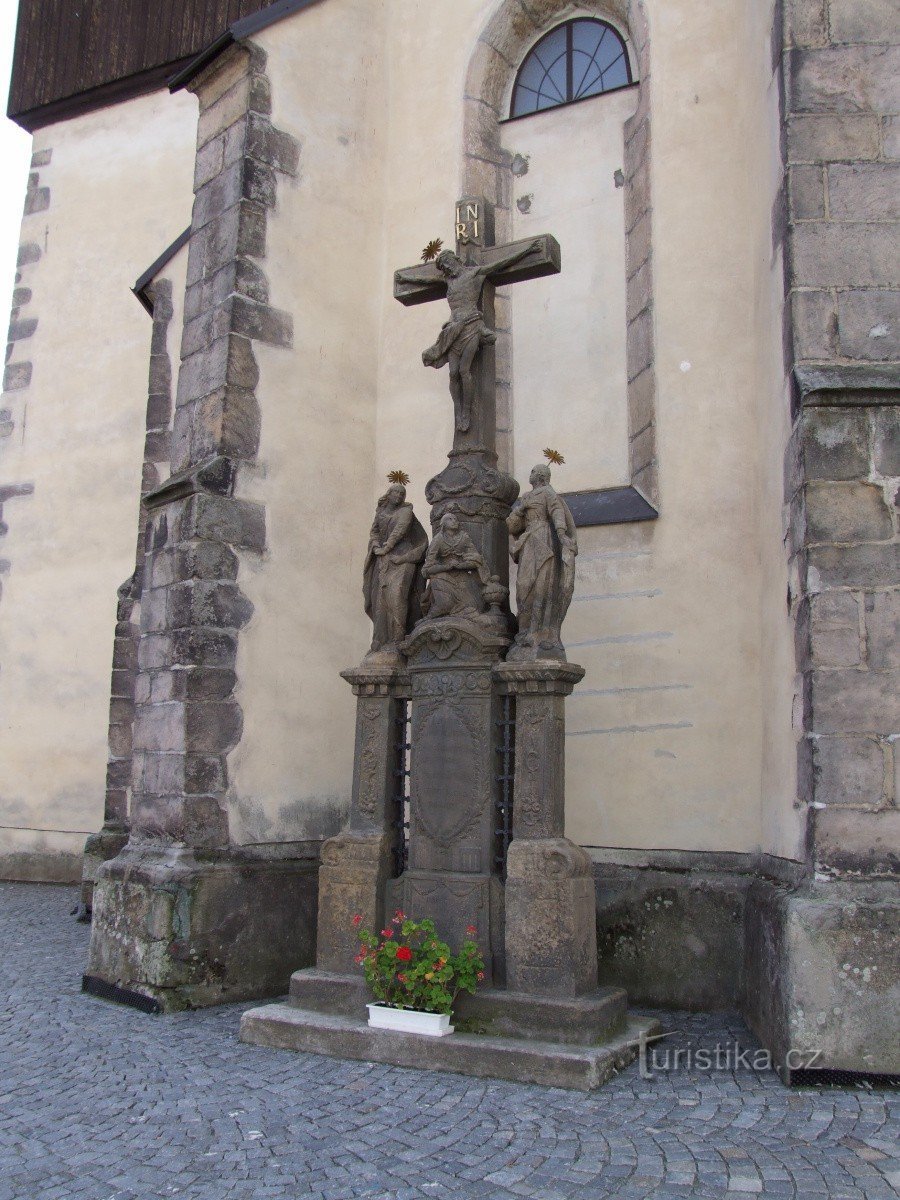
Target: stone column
x=357 y=864
x=821 y=957
x=182 y=916
x=551 y=925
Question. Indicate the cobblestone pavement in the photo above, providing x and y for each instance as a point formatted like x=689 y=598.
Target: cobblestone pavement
x=105 y=1103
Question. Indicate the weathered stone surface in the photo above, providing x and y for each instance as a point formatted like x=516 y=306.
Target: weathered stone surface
x=806 y=188
x=16 y=376
x=831 y=628
x=864 y=191
x=833 y=137
x=835 y=444
x=551 y=934
x=355 y=868
x=847 y=512
x=869 y=324
x=843 y=254
x=882 y=616
x=848 y=770
x=856 y=701
x=237 y=523
x=189 y=933
x=584 y=1068
x=672 y=937
x=806 y=22
x=846 y=79
x=859 y=841
x=872 y=21
x=886 y=441
x=821 y=972
x=854 y=566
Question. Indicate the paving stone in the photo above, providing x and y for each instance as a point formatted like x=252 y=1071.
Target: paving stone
x=105 y=1103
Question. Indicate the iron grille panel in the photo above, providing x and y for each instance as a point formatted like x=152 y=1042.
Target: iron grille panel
x=506 y=772
x=401 y=786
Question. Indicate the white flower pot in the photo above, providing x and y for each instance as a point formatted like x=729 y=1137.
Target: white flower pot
x=409 y=1020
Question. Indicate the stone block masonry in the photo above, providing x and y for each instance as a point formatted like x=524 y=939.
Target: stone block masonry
x=821 y=958
x=241 y=920
x=112 y=837
x=17 y=373
x=842 y=99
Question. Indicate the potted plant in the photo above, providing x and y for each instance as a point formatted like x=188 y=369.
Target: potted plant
x=414 y=976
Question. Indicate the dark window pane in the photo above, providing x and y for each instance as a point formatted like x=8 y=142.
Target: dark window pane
x=587 y=35
x=616 y=76
x=557 y=71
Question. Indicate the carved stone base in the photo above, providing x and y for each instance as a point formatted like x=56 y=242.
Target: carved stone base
x=551 y=920
x=454 y=901
x=183 y=932
x=352 y=877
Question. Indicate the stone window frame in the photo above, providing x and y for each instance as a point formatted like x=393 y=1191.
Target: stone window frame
x=488 y=170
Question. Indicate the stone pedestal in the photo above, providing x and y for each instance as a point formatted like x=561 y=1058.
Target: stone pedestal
x=357 y=864
x=551 y=924
x=171 y=926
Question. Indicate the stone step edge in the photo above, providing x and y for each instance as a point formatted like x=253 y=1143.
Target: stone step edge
x=552 y=1064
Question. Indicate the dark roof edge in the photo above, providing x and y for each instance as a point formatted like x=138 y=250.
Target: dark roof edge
x=102 y=96
x=234 y=33
x=140 y=287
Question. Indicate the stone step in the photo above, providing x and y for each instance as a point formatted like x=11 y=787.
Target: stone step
x=579 y=1020
x=553 y=1064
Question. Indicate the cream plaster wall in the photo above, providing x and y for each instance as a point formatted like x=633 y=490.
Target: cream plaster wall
x=680 y=736
x=120 y=182
x=685 y=710
x=569 y=371
x=291 y=772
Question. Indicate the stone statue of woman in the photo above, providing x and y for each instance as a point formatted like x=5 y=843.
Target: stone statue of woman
x=455 y=571
x=392 y=577
x=543 y=545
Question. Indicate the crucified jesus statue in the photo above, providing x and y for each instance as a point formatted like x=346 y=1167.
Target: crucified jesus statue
x=465 y=333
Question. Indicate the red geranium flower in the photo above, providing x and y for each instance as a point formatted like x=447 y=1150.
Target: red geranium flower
x=357 y=921
x=470 y=929
x=387 y=933
x=404 y=954
x=399 y=916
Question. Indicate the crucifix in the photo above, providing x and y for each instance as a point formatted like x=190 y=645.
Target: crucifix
x=467 y=279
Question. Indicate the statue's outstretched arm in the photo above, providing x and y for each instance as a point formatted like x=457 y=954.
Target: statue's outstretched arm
x=509 y=260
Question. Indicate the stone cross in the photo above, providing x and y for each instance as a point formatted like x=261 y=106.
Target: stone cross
x=466 y=341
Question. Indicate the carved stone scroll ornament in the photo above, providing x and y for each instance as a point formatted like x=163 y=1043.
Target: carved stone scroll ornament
x=543 y=544
x=392 y=578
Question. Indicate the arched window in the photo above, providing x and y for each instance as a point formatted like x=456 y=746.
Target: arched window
x=583 y=57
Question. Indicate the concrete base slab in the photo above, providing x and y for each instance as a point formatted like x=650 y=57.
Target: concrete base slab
x=553 y=1064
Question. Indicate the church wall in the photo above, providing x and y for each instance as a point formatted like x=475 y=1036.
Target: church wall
x=291 y=772
x=685 y=712
x=113 y=191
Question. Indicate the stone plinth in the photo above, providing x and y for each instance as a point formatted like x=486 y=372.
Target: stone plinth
x=357 y=864
x=551 y=923
x=553 y=1064
x=171 y=927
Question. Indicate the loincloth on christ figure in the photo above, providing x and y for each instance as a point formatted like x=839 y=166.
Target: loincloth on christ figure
x=455 y=337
